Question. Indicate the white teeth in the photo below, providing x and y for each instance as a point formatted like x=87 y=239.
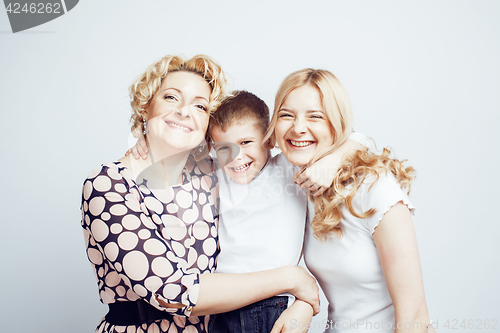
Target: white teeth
x=301 y=143
x=179 y=126
x=242 y=168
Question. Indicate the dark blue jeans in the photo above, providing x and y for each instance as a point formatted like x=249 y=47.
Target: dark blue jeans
x=258 y=317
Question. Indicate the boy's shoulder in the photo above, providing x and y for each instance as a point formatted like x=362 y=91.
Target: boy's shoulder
x=280 y=160
x=278 y=166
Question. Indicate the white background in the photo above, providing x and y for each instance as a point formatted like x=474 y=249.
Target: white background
x=423 y=78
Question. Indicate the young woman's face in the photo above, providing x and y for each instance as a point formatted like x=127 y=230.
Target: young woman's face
x=177 y=116
x=302 y=128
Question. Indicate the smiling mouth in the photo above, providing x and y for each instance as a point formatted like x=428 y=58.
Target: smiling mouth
x=241 y=168
x=300 y=143
x=175 y=125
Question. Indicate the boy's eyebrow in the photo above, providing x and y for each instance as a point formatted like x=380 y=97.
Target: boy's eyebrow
x=239 y=140
x=221 y=143
x=247 y=138
x=196 y=97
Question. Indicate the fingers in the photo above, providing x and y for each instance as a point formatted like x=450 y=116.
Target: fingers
x=300 y=177
x=308 y=184
x=315 y=189
x=319 y=191
x=142 y=150
x=315 y=300
x=305 y=288
x=142 y=147
x=135 y=153
x=138 y=151
x=316 y=308
x=306 y=179
x=314 y=297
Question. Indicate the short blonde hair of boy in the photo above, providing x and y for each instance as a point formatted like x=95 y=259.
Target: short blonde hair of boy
x=147 y=84
x=334 y=100
x=240 y=107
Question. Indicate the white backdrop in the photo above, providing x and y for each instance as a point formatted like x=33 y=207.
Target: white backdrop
x=423 y=78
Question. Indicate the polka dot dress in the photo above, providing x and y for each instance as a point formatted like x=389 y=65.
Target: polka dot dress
x=146 y=243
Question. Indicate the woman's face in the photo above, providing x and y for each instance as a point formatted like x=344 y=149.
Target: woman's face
x=302 y=128
x=177 y=116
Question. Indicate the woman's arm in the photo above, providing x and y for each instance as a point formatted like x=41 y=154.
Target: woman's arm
x=397 y=247
x=225 y=292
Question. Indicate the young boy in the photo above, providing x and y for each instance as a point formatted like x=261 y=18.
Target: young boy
x=262 y=212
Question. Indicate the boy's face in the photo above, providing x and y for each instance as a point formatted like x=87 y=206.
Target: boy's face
x=244 y=165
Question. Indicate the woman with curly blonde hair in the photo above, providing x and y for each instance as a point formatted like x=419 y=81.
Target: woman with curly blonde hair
x=360 y=243
x=150 y=225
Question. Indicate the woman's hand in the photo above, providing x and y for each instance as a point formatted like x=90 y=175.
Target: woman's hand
x=305 y=287
x=319 y=177
x=296 y=318
x=140 y=149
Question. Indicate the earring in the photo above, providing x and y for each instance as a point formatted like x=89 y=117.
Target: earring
x=144 y=127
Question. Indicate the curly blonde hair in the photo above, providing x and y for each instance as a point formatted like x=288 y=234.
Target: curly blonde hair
x=353 y=172
x=147 y=84
x=355 y=169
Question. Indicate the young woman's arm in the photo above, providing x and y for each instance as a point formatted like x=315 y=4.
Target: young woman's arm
x=319 y=176
x=397 y=247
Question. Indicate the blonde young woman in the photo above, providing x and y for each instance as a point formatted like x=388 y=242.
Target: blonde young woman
x=150 y=224
x=360 y=244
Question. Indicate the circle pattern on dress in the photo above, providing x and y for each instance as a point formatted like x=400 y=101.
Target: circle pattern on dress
x=147 y=243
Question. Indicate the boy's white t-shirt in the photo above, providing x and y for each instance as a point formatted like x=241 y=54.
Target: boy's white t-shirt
x=261 y=224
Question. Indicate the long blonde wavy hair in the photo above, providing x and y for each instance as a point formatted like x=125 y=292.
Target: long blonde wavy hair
x=147 y=84
x=355 y=168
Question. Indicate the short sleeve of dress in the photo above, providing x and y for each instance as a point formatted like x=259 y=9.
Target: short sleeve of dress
x=381 y=196
x=130 y=248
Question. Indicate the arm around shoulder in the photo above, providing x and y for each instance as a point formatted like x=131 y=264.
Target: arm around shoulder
x=319 y=176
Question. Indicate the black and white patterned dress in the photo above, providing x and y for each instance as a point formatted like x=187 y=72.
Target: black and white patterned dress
x=144 y=246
